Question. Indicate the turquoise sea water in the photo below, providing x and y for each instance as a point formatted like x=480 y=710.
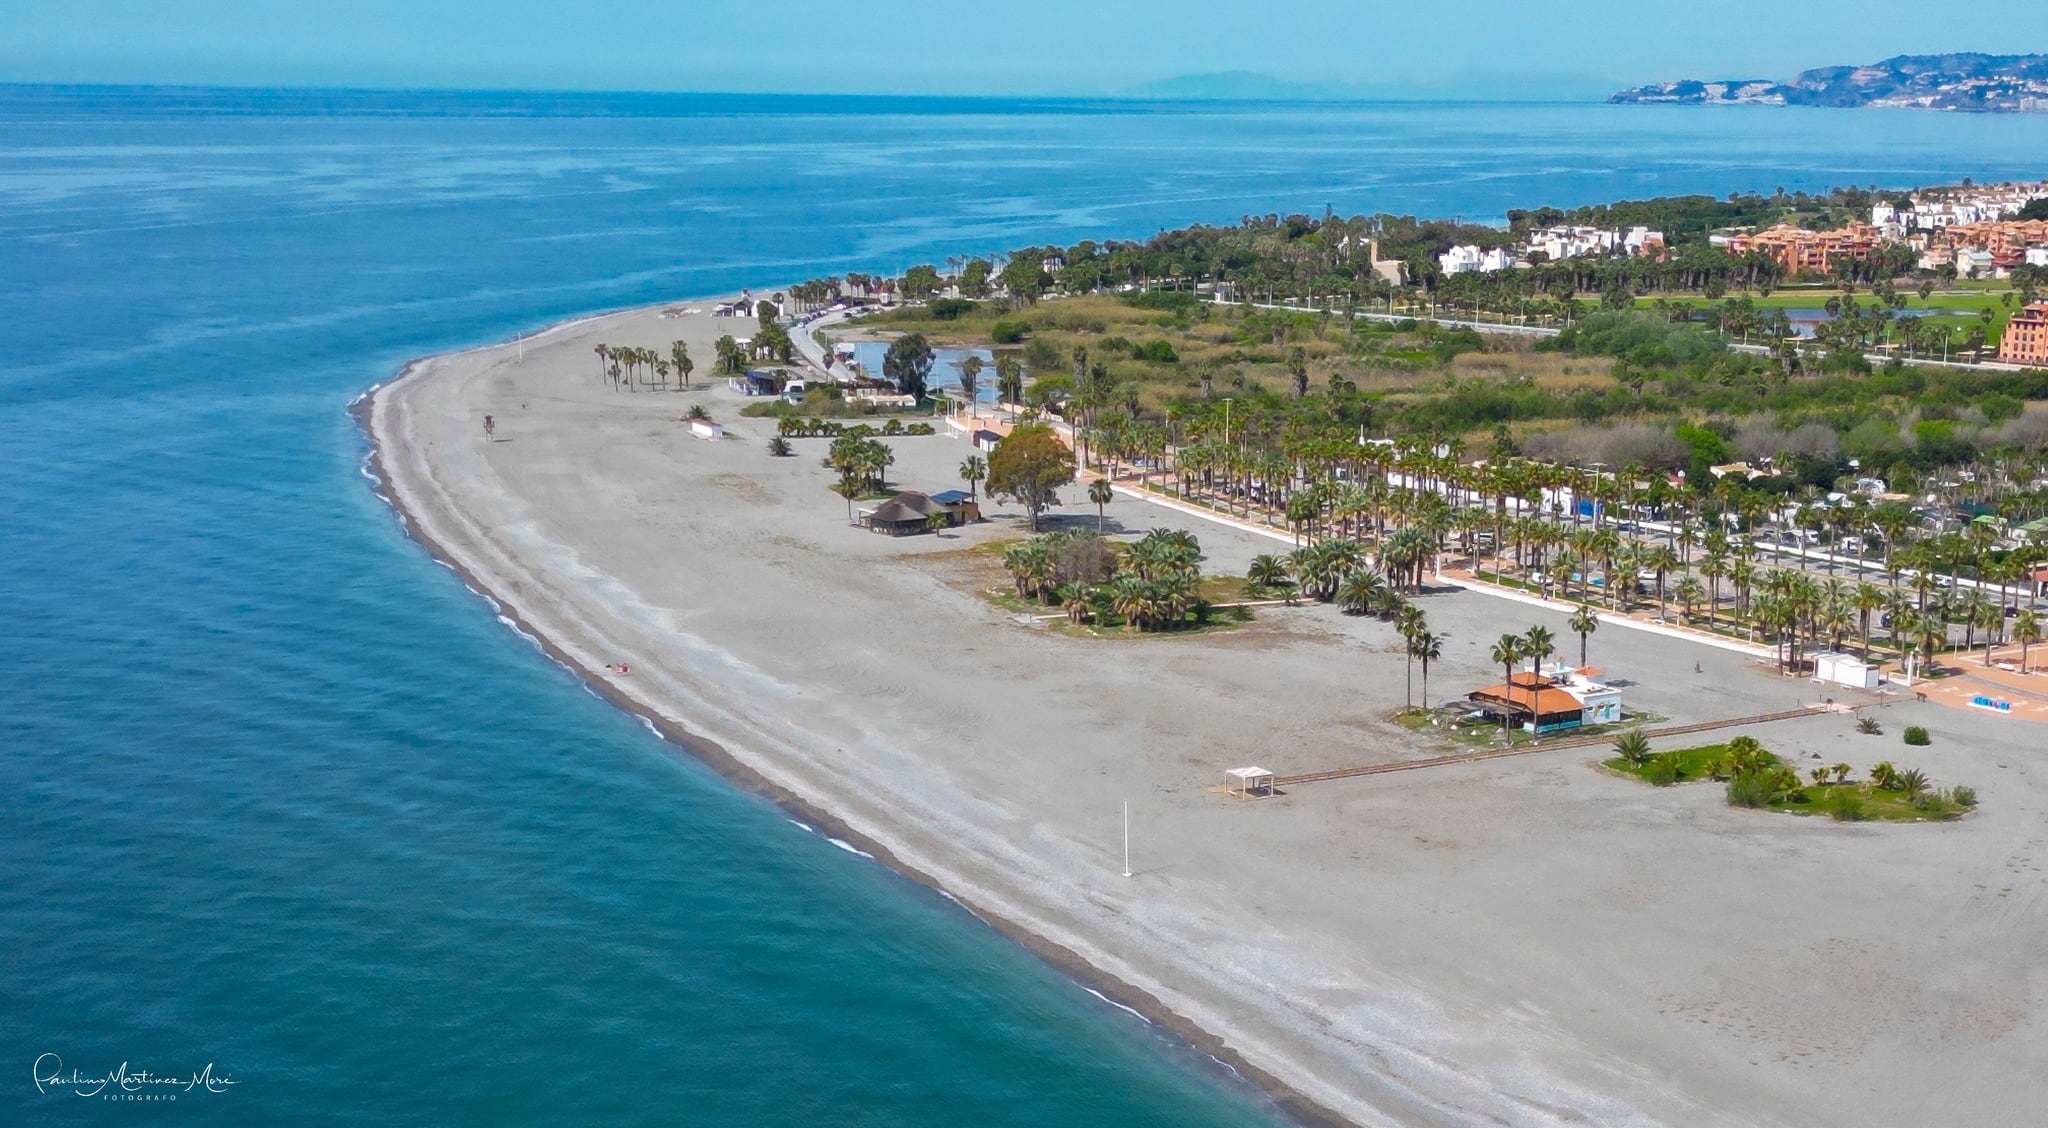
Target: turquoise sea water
x=281 y=796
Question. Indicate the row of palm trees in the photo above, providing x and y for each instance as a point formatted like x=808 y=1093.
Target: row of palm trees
x=628 y=366
x=1411 y=502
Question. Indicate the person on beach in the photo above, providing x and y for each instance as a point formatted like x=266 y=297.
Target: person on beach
x=490 y=428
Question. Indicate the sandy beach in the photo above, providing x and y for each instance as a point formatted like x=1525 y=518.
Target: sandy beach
x=1524 y=941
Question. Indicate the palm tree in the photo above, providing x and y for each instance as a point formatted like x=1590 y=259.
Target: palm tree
x=970 y=378
x=1689 y=592
x=2026 y=627
x=1010 y=379
x=1099 y=492
x=1507 y=651
x=1537 y=646
x=1988 y=616
x=974 y=471
x=1866 y=600
x=1409 y=621
x=1267 y=571
x=679 y=356
x=1361 y=592
x=1584 y=622
x=1715 y=567
x=1663 y=561
x=849 y=488
x=1425 y=648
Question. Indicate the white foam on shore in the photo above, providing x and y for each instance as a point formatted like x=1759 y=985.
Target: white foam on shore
x=969 y=909
x=522 y=633
x=805 y=827
x=648 y=723
x=851 y=848
x=1127 y=1010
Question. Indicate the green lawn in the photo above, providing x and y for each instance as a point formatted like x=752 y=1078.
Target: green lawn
x=1964 y=300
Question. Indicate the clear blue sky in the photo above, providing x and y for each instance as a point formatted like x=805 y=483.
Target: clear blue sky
x=978 y=46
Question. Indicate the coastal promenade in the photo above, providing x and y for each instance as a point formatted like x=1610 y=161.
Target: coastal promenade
x=1514 y=941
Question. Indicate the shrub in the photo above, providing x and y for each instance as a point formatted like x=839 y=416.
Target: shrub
x=1917 y=736
x=1171 y=301
x=697 y=411
x=1009 y=330
x=1844 y=804
x=950 y=309
x=1752 y=790
x=1868 y=726
x=779 y=447
x=1158 y=352
x=1964 y=797
x=1662 y=770
x=1933 y=803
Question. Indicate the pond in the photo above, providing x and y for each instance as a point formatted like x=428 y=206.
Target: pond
x=945 y=367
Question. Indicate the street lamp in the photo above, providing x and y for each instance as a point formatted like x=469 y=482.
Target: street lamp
x=1227 y=401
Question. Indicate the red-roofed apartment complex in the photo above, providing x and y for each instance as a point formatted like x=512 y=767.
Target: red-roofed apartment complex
x=2026 y=336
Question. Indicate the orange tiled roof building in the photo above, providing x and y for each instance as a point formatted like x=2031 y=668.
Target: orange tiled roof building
x=1801 y=251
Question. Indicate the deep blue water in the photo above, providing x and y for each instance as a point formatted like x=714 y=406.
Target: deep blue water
x=281 y=796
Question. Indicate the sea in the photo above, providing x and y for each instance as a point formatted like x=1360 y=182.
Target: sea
x=285 y=807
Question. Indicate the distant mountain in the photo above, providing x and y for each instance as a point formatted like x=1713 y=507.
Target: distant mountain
x=1234 y=86
x=1972 y=82
x=1483 y=86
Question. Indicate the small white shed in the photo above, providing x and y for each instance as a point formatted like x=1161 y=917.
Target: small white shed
x=1836 y=668
x=706 y=429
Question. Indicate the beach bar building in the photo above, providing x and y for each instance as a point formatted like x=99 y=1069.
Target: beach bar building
x=1531 y=701
x=911 y=512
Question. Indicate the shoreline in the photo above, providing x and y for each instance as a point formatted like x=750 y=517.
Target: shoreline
x=1294 y=1104
x=1462 y=946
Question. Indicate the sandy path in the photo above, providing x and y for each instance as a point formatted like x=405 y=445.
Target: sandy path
x=1527 y=942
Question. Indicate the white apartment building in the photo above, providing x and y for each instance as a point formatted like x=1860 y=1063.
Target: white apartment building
x=1471 y=260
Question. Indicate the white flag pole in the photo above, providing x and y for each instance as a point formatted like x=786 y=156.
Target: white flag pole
x=1127 y=838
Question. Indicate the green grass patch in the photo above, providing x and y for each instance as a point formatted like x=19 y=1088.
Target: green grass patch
x=1831 y=799
x=1684 y=765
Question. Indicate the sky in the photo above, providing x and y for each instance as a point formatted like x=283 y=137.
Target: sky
x=1048 y=47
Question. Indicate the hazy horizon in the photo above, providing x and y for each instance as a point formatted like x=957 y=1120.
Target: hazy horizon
x=1474 y=49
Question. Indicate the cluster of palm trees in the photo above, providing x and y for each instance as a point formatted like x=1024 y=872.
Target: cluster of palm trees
x=863 y=463
x=1344 y=571
x=629 y=367
x=1153 y=583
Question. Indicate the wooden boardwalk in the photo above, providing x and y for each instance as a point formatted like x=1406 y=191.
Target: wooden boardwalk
x=1551 y=746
